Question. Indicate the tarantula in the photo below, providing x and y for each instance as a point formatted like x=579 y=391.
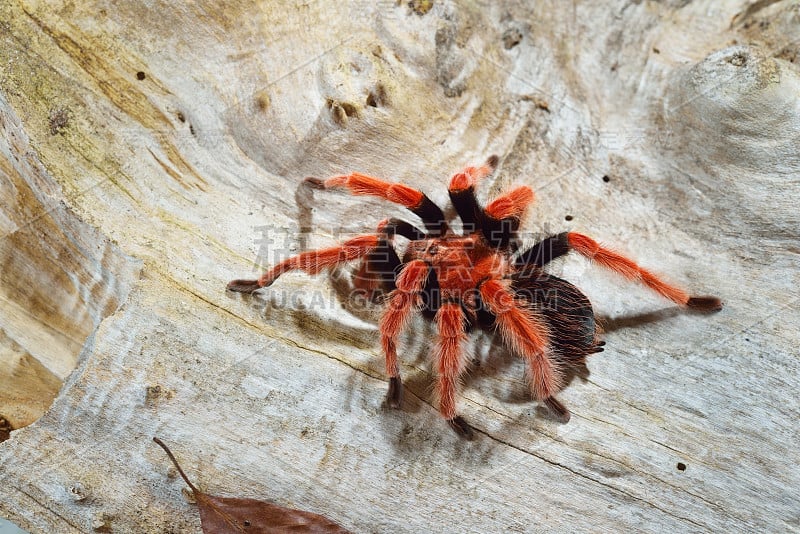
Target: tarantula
x=478 y=279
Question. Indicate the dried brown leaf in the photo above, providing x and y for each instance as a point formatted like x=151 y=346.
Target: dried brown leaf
x=233 y=515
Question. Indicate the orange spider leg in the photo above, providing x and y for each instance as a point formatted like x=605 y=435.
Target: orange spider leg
x=361 y=184
x=526 y=336
x=511 y=205
x=450 y=321
x=629 y=269
x=470 y=176
x=462 y=194
x=402 y=301
x=311 y=262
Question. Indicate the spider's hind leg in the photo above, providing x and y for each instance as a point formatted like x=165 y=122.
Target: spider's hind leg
x=558 y=245
x=568 y=317
x=527 y=334
x=402 y=302
x=591 y=249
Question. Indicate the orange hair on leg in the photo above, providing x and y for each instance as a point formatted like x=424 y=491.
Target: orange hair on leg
x=361 y=184
x=410 y=198
x=470 y=176
x=311 y=262
x=402 y=301
x=609 y=259
x=511 y=204
x=449 y=356
x=525 y=335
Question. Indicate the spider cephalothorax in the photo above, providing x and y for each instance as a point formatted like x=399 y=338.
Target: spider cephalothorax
x=477 y=279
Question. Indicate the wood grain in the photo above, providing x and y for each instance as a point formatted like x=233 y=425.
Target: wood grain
x=150 y=153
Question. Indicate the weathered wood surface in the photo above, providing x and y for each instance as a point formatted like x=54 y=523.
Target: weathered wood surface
x=128 y=204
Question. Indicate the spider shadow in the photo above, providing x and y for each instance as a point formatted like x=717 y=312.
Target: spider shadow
x=612 y=324
x=420 y=380
x=493 y=360
x=273 y=309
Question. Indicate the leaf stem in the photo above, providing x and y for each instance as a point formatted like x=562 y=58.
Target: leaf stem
x=177 y=466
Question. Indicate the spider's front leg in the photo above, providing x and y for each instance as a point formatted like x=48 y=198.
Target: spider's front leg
x=415 y=201
x=402 y=301
x=500 y=220
x=311 y=262
x=449 y=356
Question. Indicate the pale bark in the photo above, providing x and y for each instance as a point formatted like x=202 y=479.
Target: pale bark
x=147 y=148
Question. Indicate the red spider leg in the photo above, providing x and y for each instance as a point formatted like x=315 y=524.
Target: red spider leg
x=503 y=215
x=311 y=262
x=462 y=194
x=450 y=321
x=544 y=251
x=402 y=301
x=629 y=269
x=511 y=205
x=470 y=176
x=526 y=336
x=415 y=201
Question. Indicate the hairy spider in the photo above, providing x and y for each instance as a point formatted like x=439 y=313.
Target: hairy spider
x=478 y=279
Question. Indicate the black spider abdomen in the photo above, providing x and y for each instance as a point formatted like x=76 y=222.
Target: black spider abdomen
x=566 y=310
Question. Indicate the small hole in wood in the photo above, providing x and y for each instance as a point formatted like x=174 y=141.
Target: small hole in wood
x=568 y=218
x=349 y=109
x=606 y=178
x=681 y=466
x=377 y=97
x=140 y=75
x=511 y=38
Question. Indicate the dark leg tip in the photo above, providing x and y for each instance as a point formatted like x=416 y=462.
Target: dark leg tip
x=710 y=304
x=461 y=427
x=314 y=183
x=243 y=286
x=394 y=398
x=557 y=409
x=493 y=161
